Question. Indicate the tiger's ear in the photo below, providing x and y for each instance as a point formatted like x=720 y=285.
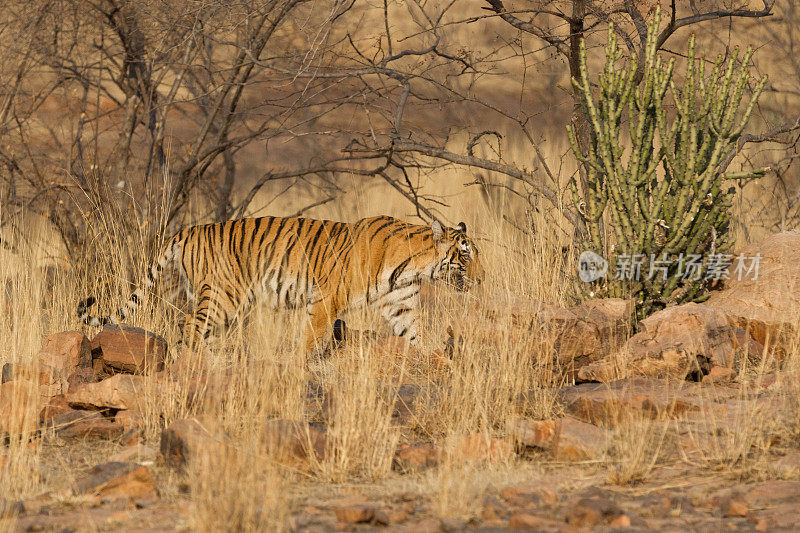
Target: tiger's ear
x=461 y=227
x=436 y=227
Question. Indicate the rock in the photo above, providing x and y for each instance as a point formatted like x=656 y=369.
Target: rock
x=522 y=496
x=533 y=433
x=415 y=457
x=609 y=404
x=621 y=521
x=589 y=512
x=137 y=453
x=479 y=447
x=586 y=333
x=765 y=306
x=524 y=522
x=85 y=425
x=493 y=510
x=131 y=419
x=731 y=503
x=117 y=392
x=355 y=514
x=51 y=382
x=674 y=342
x=128 y=349
x=187 y=439
x=297 y=443
x=55 y=406
x=578 y=441
x=19 y=407
x=66 y=351
x=118 y=480
x=720 y=374
x=405 y=401
x=567 y=438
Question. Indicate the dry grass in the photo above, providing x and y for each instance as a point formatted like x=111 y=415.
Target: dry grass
x=258 y=375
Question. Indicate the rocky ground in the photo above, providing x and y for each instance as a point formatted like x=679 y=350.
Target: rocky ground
x=691 y=423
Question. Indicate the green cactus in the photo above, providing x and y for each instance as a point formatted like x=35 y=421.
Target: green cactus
x=660 y=218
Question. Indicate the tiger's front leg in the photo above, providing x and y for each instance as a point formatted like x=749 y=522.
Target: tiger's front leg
x=402 y=313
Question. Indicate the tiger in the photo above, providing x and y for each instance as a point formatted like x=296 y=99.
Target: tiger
x=324 y=265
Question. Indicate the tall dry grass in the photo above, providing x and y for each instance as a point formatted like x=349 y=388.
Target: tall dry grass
x=500 y=368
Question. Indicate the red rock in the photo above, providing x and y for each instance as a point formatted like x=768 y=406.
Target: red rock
x=674 y=342
x=478 y=447
x=131 y=419
x=524 y=522
x=493 y=510
x=620 y=521
x=620 y=400
x=187 y=439
x=66 y=351
x=414 y=457
x=589 y=512
x=19 y=407
x=294 y=442
x=128 y=349
x=578 y=441
x=118 y=480
x=720 y=374
x=85 y=425
x=136 y=453
x=534 y=433
x=355 y=514
x=81 y=376
x=55 y=406
x=117 y=392
x=766 y=306
x=527 y=496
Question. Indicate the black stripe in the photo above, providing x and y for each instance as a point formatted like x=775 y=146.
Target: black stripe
x=396 y=272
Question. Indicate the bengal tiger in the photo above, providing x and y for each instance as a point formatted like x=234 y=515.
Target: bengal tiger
x=325 y=265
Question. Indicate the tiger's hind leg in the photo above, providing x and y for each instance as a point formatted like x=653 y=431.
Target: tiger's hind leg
x=216 y=307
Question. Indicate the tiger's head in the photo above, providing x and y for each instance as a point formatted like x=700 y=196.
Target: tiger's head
x=459 y=262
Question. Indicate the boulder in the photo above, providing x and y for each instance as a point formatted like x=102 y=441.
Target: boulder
x=618 y=401
x=19 y=407
x=524 y=522
x=127 y=349
x=578 y=441
x=415 y=457
x=293 y=442
x=51 y=382
x=585 y=333
x=566 y=438
x=590 y=512
x=131 y=419
x=765 y=305
x=55 y=406
x=75 y=425
x=187 y=439
x=355 y=514
x=118 y=480
x=674 y=342
x=478 y=448
x=533 y=433
x=66 y=351
x=120 y=391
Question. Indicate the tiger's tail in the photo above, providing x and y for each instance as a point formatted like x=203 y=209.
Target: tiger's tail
x=137 y=297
